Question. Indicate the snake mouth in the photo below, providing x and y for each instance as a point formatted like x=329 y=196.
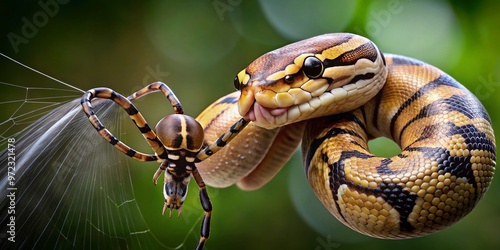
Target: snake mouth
x=254 y=106
x=282 y=105
x=257 y=112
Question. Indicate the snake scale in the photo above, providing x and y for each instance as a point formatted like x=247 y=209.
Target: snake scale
x=331 y=94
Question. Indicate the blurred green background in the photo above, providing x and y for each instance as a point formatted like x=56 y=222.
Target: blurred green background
x=197 y=47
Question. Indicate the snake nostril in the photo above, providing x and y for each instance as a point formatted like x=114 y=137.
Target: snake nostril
x=289 y=79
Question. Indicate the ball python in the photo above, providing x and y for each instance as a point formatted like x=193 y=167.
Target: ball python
x=331 y=94
x=334 y=92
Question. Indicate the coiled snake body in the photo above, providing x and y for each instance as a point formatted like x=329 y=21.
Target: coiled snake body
x=335 y=92
x=332 y=93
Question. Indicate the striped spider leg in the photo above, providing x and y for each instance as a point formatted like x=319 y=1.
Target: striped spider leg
x=177 y=144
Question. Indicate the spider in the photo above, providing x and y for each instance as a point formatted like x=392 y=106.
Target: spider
x=177 y=144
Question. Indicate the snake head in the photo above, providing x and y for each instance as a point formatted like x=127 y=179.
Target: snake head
x=323 y=75
x=175 y=191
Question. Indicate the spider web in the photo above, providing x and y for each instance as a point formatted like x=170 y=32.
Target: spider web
x=70 y=187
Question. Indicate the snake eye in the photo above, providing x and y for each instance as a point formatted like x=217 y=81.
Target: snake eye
x=237 y=84
x=289 y=79
x=313 y=67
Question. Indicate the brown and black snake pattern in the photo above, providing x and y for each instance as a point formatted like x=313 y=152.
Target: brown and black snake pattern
x=332 y=93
